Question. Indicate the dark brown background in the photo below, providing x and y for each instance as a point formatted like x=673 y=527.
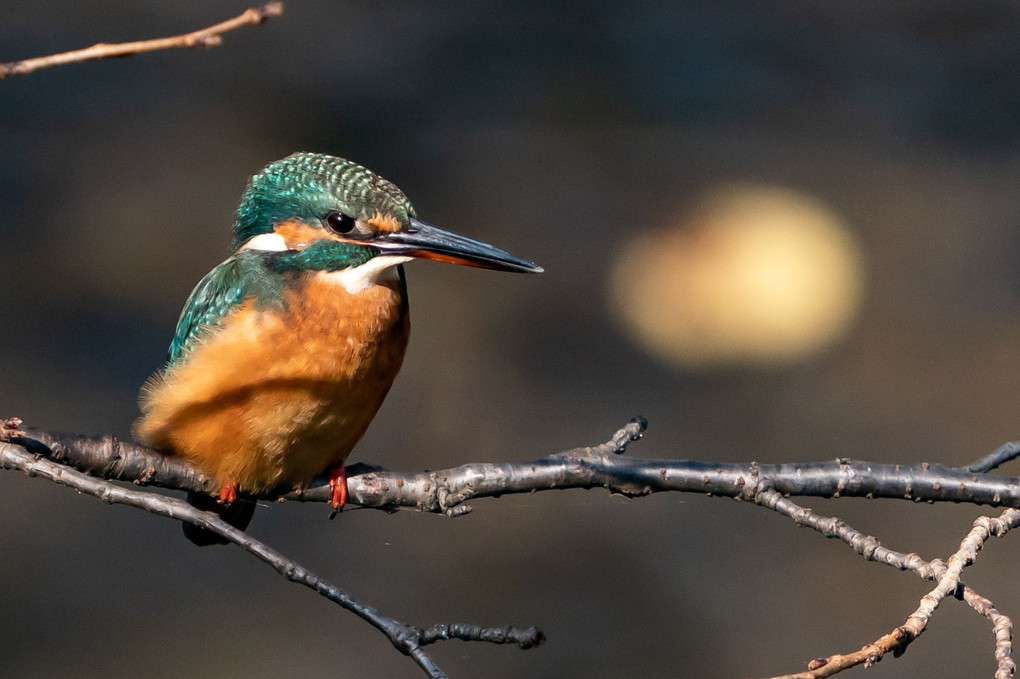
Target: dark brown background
x=556 y=130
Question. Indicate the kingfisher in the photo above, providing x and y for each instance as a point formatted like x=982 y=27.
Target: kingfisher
x=284 y=353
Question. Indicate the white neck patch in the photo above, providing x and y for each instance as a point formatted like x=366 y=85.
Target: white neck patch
x=379 y=269
x=265 y=242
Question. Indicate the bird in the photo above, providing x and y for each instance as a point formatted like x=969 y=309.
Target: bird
x=285 y=351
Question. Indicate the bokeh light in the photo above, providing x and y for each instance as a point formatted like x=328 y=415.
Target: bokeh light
x=753 y=275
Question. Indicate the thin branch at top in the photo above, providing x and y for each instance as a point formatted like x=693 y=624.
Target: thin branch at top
x=206 y=37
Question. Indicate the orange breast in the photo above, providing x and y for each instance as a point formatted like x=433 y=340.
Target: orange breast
x=275 y=398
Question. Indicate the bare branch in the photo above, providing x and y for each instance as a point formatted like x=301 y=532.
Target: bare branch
x=948 y=575
x=526 y=638
x=206 y=37
x=406 y=638
x=1002 y=630
x=444 y=491
x=996 y=458
x=832 y=527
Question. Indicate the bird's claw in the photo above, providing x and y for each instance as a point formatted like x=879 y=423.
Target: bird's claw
x=228 y=493
x=337 y=488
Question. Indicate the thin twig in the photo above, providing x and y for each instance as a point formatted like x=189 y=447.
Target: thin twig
x=1002 y=630
x=406 y=638
x=833 y=527
x=947 y=574
x=206 y=37
x=527 y=638
x=996 y=458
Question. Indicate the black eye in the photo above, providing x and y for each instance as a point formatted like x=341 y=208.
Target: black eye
x=338 y=222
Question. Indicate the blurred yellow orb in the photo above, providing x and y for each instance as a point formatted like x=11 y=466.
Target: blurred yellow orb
x=755 y=275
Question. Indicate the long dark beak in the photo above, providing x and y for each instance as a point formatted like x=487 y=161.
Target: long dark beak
x=429 y=242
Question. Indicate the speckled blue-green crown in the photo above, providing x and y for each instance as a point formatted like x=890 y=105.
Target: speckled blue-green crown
x=307 y=186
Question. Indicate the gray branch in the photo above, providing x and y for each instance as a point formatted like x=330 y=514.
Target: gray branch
x=406 y=638
x=92 y=465
x=445 y=491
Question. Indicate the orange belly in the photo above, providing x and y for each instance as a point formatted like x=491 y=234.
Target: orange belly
x=275 y=398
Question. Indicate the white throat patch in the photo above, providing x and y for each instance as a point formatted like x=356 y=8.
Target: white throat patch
x=266 y=242
x=360 y=278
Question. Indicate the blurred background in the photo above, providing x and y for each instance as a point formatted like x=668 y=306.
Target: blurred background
x=780 y=231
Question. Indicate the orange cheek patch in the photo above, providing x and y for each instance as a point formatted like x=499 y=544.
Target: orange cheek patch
x=381 y=222
x=298 y=235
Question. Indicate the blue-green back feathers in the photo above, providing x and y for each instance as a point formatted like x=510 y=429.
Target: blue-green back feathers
x=259 y=276
x=221 y=291
x=307 y=186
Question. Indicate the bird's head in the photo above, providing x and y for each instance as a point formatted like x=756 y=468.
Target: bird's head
x=328 y=214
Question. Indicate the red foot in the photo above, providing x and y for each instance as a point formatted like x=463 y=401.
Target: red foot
x=338 y=486
x=228 y=493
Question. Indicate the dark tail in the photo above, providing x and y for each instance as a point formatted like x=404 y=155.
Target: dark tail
x=238 y=514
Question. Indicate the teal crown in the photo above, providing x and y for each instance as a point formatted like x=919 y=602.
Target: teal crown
x=307 y=186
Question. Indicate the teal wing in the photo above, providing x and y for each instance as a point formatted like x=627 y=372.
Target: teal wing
x=221 y=291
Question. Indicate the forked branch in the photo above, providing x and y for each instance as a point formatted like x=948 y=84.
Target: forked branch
x=53 y=456
x=948 y=574
x=406 y=638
